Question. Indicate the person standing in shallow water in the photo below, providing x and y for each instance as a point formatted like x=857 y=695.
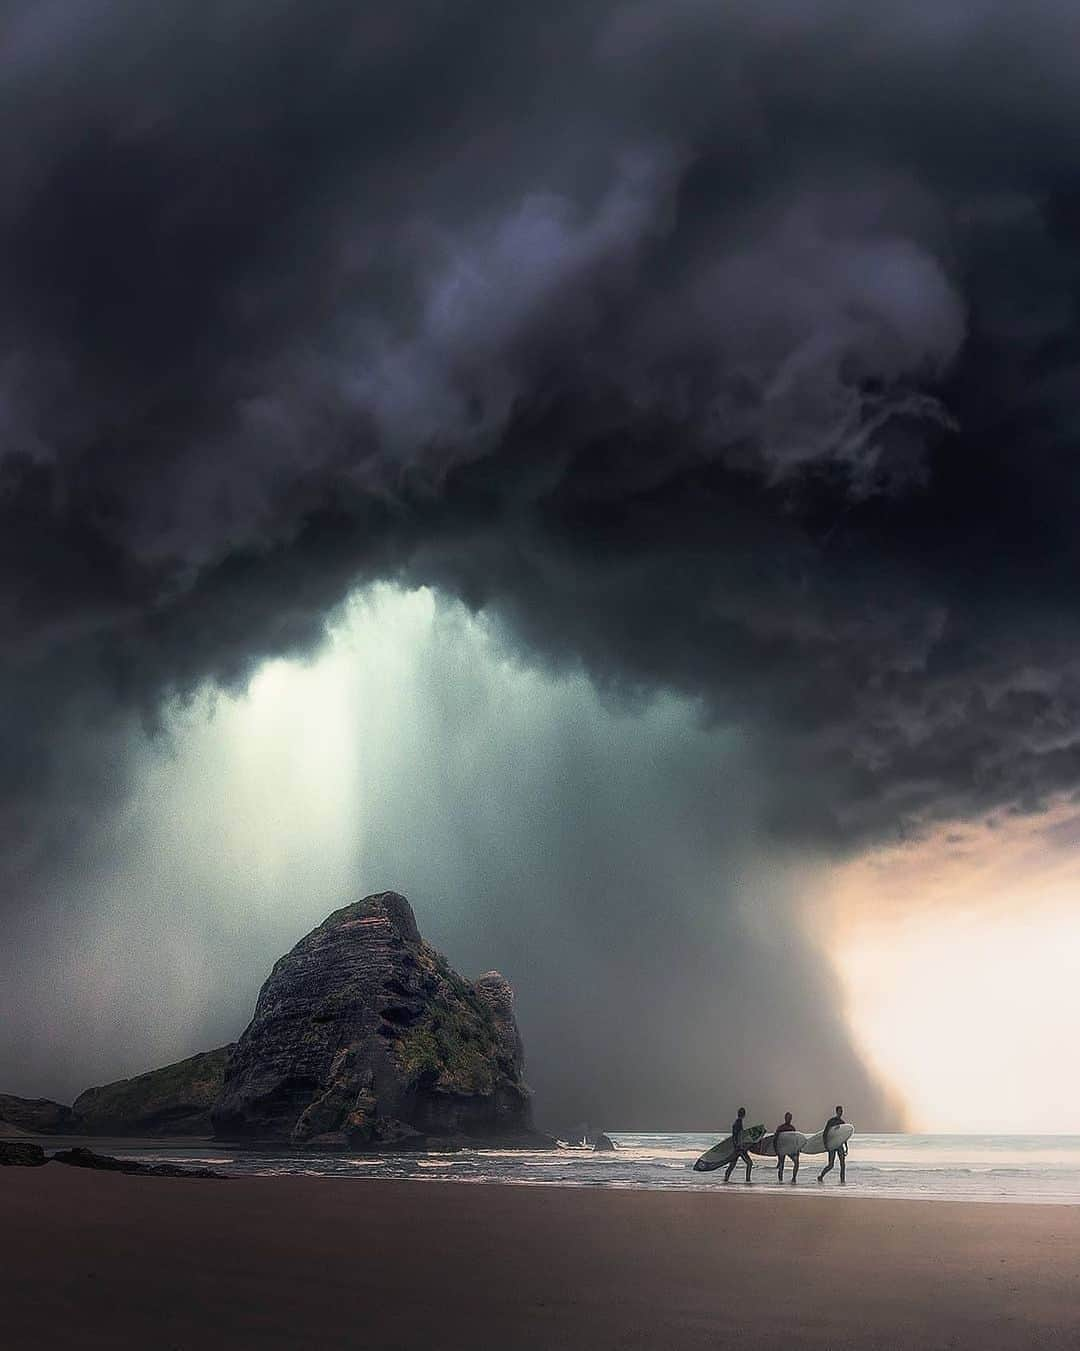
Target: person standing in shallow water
x=834 y=1154
x=786 y=1125
x=740 y=1150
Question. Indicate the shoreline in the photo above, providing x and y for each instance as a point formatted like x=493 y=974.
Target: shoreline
x=886 y=1168
x=95 y=1260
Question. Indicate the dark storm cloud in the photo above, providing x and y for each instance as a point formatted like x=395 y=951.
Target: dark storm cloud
x=730 y=350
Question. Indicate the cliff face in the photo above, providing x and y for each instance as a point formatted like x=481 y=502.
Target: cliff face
x=174 y=1100
x=38 y=1116
x=364 y=1035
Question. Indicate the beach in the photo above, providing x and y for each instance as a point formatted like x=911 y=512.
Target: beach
x=94 y=1260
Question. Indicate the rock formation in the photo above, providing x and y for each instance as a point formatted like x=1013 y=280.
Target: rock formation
x=363 y=1035
x=175 y=1100
x=86 y=1158
x=15 y=1154
x=38 y=1116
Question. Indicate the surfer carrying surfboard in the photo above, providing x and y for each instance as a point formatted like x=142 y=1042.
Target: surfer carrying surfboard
x=834 y=1154
x=738 y=1146
x=781 y=1154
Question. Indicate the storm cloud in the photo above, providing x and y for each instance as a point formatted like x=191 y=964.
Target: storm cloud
x=727 y=352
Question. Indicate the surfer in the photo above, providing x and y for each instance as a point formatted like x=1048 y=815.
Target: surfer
x=739 y=1150
x=786 y=1125
x=837 y=1120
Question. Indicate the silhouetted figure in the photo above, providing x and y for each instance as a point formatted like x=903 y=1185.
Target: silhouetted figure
x=834 y=1154
x=738 y=1146
x=786 y=1125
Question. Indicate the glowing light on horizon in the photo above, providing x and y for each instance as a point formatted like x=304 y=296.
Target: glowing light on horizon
x=961 y=964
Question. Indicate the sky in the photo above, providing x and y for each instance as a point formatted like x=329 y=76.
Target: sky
x=671 y=407
x=961 y=966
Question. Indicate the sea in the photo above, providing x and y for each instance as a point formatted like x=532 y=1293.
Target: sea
x=1041 y=1169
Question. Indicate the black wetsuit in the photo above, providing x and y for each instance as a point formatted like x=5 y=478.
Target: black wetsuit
x=834 y=1154
x=740 y=1150
x=786 y=1126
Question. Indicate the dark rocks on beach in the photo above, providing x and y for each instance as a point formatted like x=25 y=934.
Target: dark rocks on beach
x=174 y=1100
x=364 y=1036
x=39 y=1116
x=603 y=1143
x=16 y=1154
x=86 y=1158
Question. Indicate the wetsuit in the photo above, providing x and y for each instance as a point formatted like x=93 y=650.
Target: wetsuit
x=785 y=1126
x=739 y=1148
x=834 y=1154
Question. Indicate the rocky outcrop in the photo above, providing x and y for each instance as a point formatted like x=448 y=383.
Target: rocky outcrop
x=175 y=1100
x=15 y=1154
x=38 y=1116
x=603 y=1144
x=364 y=1036
x=86 y=1158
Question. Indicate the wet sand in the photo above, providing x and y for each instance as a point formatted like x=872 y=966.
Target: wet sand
x=95 y=1260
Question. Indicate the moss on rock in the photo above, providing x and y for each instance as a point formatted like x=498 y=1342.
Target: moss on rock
x=174 y=1100
x=454 y=1044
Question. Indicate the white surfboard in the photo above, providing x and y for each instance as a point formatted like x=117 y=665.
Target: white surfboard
x=783 y=1145
x=839 y=1135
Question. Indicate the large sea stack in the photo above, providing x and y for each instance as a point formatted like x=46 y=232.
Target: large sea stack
x=364 y=1036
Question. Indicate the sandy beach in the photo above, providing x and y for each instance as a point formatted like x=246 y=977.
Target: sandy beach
x=91 y=1260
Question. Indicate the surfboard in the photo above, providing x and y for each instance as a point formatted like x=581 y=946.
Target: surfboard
x=723 y=1152
x=839 y=1135
x=791 y=1142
